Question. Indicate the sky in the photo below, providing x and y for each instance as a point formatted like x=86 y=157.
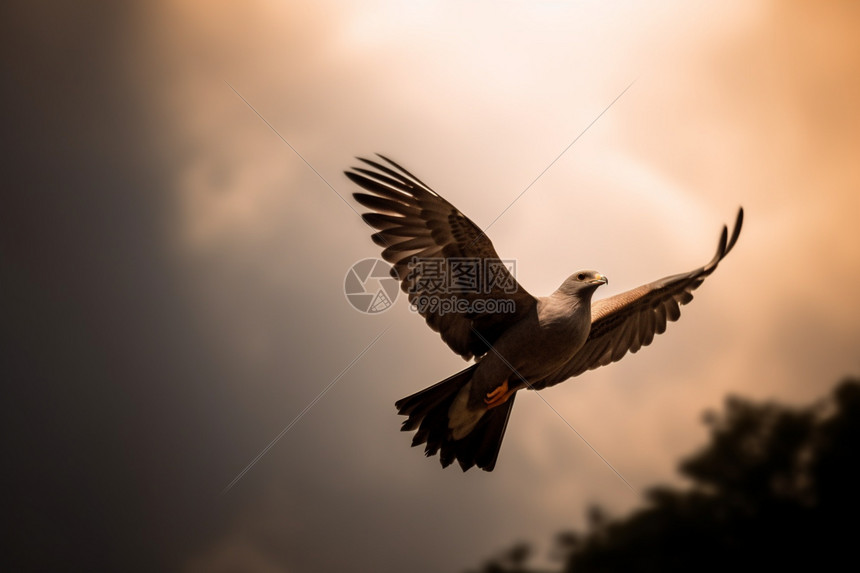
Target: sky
x=176 y=230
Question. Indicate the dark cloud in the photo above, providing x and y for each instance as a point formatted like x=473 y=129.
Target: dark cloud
x=103 y=361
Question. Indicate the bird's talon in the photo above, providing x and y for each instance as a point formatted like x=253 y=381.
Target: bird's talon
x=502 y=388
x=498 y=396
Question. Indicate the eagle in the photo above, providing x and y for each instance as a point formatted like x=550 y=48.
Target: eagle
x=519 y=341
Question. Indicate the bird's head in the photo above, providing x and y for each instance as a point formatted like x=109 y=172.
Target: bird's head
x=582 y=282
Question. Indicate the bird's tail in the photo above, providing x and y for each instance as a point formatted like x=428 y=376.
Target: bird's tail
x=428 y=415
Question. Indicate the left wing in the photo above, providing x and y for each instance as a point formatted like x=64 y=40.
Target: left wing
x=629 y=320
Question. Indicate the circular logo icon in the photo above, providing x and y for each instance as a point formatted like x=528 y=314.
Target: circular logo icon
x=370 y=286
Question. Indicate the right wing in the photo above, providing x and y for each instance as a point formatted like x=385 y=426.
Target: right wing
x=414 y=221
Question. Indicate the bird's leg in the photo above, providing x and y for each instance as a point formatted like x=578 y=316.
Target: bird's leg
x=498 y=396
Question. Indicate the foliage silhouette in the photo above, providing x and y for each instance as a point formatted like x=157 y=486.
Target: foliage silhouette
x=776 y=488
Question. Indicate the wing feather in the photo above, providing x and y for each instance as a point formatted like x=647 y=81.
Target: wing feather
x=383 y=205
x=636 y=343
x=660 y=315
x=649 y=329
x=386 y=222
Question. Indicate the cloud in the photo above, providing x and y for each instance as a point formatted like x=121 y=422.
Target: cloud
x=233 y=314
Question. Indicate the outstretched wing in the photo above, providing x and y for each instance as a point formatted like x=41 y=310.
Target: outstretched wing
x=628 y=321
x=414 y=222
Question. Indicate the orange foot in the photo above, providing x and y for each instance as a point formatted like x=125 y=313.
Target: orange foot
x=498 y=396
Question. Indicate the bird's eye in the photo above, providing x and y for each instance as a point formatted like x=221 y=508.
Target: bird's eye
x=580 y=277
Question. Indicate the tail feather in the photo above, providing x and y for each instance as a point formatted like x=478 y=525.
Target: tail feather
x=418 y=405
x=427 y=413
x=481 y=446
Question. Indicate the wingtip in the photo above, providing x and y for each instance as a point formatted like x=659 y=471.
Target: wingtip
x=736 y=232
x=355 y=178
x=367 y=161
x=393 y=163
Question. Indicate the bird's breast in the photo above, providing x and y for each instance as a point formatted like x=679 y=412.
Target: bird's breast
x=540 y=346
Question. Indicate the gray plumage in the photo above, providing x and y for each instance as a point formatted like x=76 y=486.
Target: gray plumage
x=544 y=341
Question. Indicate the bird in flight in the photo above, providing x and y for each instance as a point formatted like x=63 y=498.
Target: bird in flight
x=519 y=341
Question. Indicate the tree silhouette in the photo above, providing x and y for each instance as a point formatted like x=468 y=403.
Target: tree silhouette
x=775 y=488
